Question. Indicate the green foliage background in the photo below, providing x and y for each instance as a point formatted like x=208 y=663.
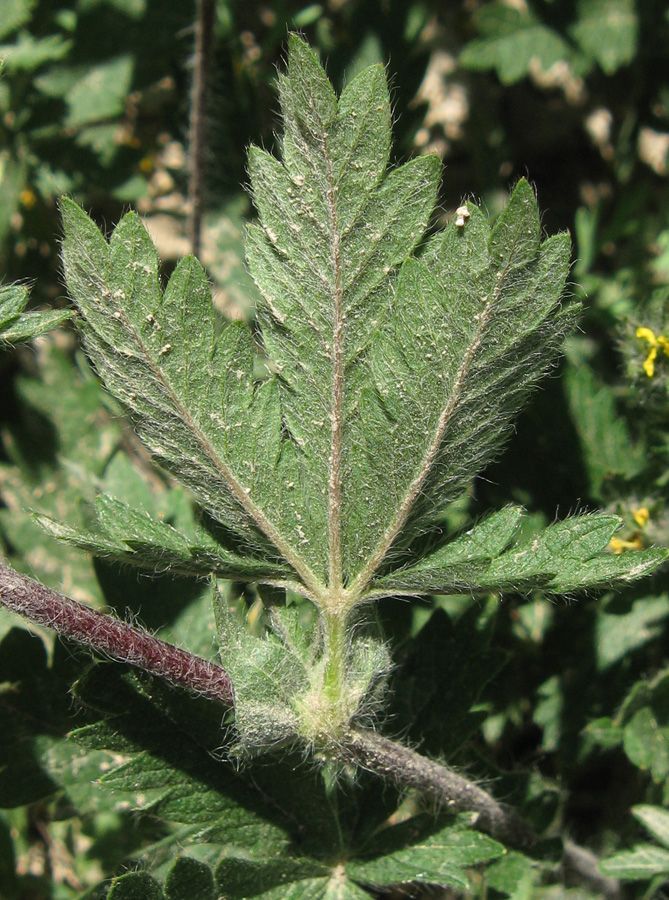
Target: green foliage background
x=562 y=706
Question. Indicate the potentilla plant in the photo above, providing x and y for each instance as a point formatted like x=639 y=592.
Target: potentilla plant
x=326 y=444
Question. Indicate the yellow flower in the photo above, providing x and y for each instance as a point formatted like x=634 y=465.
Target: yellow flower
x=656 y=343
x=641 y=516
x=618 y=544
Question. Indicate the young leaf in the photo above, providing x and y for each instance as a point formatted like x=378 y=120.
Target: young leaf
x=271 y=675
x=17 y=325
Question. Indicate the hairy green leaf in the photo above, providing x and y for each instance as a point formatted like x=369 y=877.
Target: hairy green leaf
x=130 y=536
x=189 y=879
x=567 y=556
x=394 y=378
x=384 y=372
x=440 y=859
x=136 y=886
x=17 y=325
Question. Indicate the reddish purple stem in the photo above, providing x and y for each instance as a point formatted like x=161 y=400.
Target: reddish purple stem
x=108 y=635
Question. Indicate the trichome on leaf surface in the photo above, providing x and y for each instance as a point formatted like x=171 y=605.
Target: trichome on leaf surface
x=325 y=446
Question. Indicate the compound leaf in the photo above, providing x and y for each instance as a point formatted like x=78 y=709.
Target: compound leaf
x=391 y=378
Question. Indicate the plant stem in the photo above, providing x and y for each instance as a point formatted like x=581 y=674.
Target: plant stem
x=198 y=120
x=108 y=635
x=386 y=758
x=334 y=661
x=410 y=769
x=582 y=862
x=128 y=644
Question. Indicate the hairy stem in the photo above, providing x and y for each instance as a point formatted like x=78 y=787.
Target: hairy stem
x=108 y=635
x=128 y=644
x=334 y=654
x=408 y=768
x=385 y=757
x=198 y=120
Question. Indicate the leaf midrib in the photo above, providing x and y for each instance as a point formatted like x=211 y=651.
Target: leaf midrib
x=336 y=441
